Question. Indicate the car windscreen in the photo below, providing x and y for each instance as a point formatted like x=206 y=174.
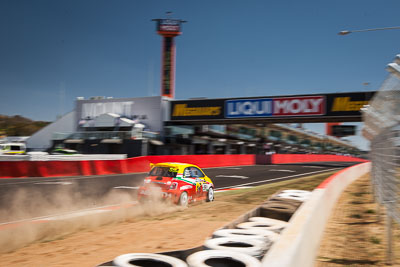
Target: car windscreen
x=164 y=172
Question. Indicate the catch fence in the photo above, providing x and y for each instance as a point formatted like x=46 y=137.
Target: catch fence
x=382 y=127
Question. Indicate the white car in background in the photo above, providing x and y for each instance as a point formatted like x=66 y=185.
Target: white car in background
x=12 y=149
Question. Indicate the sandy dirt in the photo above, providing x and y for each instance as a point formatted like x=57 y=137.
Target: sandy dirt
x=176 y=229
x=355 y=234
x=94 y=240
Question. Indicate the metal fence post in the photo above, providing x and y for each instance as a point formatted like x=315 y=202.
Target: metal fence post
x=389 y=231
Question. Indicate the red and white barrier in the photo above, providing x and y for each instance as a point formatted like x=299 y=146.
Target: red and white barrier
x=299 y=242
x=299 y=158
x=15 y=169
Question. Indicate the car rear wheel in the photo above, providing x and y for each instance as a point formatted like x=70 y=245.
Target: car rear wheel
x=210 y=195
x=183 y=199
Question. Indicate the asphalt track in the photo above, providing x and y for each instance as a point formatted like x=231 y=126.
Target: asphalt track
x=26 y=198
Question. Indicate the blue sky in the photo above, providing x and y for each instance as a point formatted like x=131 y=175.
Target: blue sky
x=52 y=51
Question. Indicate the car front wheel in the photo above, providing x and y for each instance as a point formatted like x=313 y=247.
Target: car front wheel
x=210 y=195
x=183 y=199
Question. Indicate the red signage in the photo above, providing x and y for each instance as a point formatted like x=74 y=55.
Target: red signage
x=299 y=106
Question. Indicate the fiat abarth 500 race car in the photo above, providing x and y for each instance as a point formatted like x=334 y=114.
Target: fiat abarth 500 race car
x=180 y=183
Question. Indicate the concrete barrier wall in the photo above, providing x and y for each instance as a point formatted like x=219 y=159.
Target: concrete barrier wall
x=299 y=243
x=298 y=158
x=15 y=169
x=14 y=157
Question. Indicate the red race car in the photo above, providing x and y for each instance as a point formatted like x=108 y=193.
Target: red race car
x=181 y=183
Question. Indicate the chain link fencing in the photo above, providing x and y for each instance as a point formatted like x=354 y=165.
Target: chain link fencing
x=382 y=127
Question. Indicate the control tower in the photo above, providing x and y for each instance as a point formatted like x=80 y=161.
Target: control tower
x=168 y=28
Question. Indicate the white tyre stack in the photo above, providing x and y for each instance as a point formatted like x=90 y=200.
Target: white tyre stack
x=295 y=191
x=263 y=223
x=300 y=195
x=268 y=220
x=261 y=234
x=209 y=258
x=147 y=259
x=252 y=247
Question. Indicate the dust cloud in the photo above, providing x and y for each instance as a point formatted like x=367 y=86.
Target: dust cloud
x=117 y=206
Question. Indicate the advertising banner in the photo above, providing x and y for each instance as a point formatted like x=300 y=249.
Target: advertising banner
x=316 y=107
x=347 y=104
x=299 y=106
x=197 y=109
x=241 y=108
x=283 y=106
x=343 y=130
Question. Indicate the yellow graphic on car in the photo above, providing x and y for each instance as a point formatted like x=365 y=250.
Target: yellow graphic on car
x=172 y=169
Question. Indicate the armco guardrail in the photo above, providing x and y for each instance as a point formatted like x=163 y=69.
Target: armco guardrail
x=298 y=245
x=14 y=169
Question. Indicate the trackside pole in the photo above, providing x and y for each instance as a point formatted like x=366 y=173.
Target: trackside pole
x=389 y=232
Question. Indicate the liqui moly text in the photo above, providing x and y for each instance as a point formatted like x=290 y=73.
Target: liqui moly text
x=299 y=106
x=266 y=107
x=248 y=108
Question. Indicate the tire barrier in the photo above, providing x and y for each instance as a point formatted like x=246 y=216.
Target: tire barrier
x=252 y=247
x=251 y=235
x=292 y=202
x=299 y=244
x=272 y=222
x=299 y=195
x=254 y=221
x=221 y=258
x=293 y=196
x=297 y=192
x=147 y=260
x=261 y=234
x=277 y=210
x=277 y=228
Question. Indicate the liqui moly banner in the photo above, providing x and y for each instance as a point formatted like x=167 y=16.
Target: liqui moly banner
x=239 y=108
x=319 y=108
x=274 y=107
x=299 y=106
